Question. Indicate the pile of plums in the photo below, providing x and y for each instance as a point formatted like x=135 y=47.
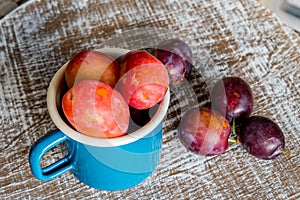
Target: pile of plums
x=132 y=87
x=109 y=97
x=106 y=95
x=207 y=131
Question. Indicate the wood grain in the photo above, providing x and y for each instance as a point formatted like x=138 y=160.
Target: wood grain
x=234 y=37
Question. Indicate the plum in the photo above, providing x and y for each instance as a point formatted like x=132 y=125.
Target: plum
x=92 y=65
x=95 y=109
x=262 y=137
x=178 y=47
x=176 y=55
x=232 y=97
x=204 y=131
x=144 y=79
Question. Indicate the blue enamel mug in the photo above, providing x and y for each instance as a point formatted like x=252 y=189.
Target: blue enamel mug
x=104 y=164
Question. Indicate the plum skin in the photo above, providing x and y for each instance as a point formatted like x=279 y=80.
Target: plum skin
x=178 y=47
x=262 y=137
x=176 y=55
x=92 y=65
x=144 y=79
x=232 y=96
x=95 y=109
x=204 y=132
x=177 y=67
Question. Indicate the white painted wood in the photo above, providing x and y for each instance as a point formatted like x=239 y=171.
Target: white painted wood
x=233 y=37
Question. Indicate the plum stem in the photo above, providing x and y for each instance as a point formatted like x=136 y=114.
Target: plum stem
x=286 y=152
x=233 y=133
x=233 y=140
x=233 y=127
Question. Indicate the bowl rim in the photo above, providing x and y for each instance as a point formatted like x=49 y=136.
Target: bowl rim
x=93 y=141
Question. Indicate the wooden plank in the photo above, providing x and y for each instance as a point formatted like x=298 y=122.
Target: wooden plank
x=234 y=37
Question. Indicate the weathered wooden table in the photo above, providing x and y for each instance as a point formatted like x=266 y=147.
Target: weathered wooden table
x=233 y=37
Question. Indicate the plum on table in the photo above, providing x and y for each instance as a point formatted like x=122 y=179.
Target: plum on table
x=204 y=131
x=232 y=97
x=262 y=137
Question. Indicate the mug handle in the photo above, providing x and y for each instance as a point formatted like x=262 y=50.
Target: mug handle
x=40 y=148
